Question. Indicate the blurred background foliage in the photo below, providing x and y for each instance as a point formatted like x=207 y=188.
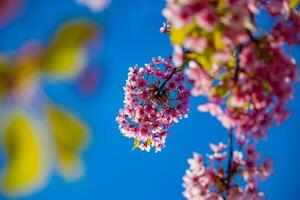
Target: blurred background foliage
x=38 y=136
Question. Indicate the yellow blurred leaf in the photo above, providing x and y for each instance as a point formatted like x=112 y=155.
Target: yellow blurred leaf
x=148 y=142
x=294 y=3
x=203 y=60
x=20 y=71
x=178 y=35
x=136 y=144
x=231 y=64
x=217 y=37
x=3 y=76
x=66 y=56
x=25 y=169
x=70 y=138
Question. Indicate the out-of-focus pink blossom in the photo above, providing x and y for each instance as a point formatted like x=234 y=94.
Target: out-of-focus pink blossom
x=238 y=158
x=202 y=83
x=95 y=5
x=216 y=111
x=219 y=154
x=206 y=19
x=266 y=169
x=8 y=10
x=277 y=7
x=178 y=56
x=218 y=148
x=196 y=44
x=198 y=181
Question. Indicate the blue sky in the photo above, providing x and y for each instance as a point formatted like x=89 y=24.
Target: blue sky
x=113 y=171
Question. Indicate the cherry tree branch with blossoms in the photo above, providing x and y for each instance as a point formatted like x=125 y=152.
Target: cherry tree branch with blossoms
x=243 y=72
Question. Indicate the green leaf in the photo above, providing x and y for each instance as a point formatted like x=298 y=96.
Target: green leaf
x=148 y=142
x=294 y=3
x=220 y=90
x=136 y=144
x=266 y=86
x=204 y=60
x=217 y=38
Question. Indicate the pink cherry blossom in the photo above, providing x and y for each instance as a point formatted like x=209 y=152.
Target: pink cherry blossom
x=201 y=81
x=198 y=180
x=216 y=111
x=211 y=181
x=206 y=19
x=178 y=56
x=155 y=98
x=218 y=148
x=243 y=73
x=165 y=28
x=238 y=158
x=196 y=44
x=219 y=154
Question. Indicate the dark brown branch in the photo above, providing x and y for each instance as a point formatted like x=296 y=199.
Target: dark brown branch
x=230 y=171
x=174 y=71
x=168 y=79
x=237 y=63
x=229 y=165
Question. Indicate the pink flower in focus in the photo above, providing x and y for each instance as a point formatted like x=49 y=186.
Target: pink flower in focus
x=155 y=98
x=210 y=181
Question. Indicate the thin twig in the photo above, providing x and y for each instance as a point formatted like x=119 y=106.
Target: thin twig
x=229 y=165
x=174 y=71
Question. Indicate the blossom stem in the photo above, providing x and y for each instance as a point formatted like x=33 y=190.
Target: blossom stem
x=230 y=143
x=174 y=71
x=167 y=80
x=237 y=69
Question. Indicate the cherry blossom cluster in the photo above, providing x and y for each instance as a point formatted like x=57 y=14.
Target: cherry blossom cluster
x=246 y=76
x=214 y=182
x=155 y=98
x=247 y=80
x=241 y=69
x=210 y=28
x=254 y=96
